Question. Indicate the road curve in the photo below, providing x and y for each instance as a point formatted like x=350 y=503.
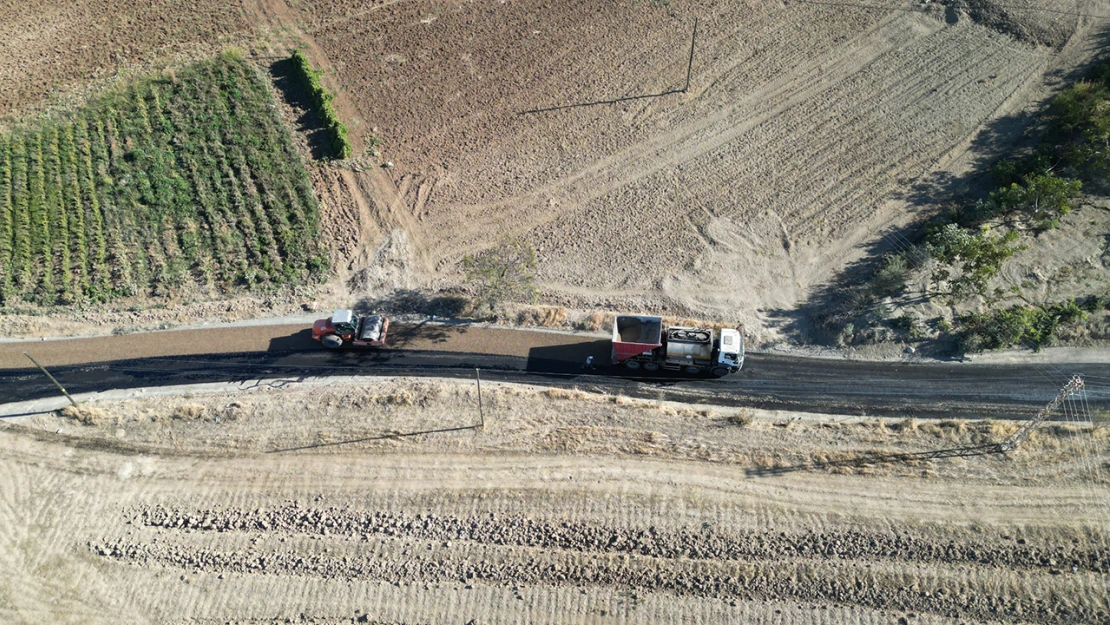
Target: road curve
x=287 y=352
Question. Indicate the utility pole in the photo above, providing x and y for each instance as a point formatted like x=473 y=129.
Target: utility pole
x=481 y=414
x=47 y=373
x=1017 y=438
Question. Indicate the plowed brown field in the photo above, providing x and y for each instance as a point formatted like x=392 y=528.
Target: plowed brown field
x=803 y=125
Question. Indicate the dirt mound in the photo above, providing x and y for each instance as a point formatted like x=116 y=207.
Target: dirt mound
x=1038 y=25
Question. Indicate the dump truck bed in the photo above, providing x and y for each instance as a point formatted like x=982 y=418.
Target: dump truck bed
x=635 y=334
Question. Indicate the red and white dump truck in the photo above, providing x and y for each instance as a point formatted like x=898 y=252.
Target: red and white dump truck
x=641 y=341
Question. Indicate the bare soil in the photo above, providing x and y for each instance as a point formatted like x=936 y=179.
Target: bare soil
x=803 y=128
x=51 y=53
x=306 y=504
x=796 y=148
x=792 y=149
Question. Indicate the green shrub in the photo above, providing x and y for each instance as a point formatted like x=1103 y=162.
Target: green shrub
x=890 y=277
x=909 y=324
x=321 y=102
x=1042 y=197
x=968 y=260
x=1017 y=325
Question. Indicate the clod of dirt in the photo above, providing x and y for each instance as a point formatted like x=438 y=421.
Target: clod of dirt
x=189 y=412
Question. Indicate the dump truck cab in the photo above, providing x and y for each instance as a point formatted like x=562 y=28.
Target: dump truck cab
x=344 y=327
x=730 y=352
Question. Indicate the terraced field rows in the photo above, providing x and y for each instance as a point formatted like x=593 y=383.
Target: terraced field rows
x=186 y=182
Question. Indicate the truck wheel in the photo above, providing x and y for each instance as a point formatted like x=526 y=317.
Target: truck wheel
x=651 y=366
x=720 y=372
x=692 y=370
x=632 y=364
x=331 y=341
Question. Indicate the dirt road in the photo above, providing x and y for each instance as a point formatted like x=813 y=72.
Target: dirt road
x=767 y=381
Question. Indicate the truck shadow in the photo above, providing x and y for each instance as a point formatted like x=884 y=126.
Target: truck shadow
x=571 y=359
x=294 y=342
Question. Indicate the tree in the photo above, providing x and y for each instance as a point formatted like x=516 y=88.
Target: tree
x=1079 y=120
x=975 y=257
x=506 y=271
x=1044 y=197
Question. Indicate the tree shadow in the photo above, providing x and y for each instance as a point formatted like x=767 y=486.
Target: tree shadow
x=413 y=302
x=938 y=195
x=284 y=75
x=407 y=335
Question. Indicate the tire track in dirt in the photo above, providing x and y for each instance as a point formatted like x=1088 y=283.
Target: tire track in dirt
x=388 y=567
x=658 y=543
x=701 y=135
x=951 y=592
x=828 y=183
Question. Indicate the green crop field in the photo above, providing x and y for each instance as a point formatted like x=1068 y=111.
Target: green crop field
x=186 y=181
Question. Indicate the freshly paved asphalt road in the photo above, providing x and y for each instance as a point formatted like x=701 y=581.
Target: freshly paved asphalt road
x=265 y=354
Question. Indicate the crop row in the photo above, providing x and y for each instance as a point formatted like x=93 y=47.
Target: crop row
x=170 y=184
x=321 y=102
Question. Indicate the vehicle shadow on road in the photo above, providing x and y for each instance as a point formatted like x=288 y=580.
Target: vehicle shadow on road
x=570 y=358
x=294 y=342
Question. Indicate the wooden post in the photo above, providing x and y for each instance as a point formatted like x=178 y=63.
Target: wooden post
x=481 y=413
x=60 y=387
x=690 y=65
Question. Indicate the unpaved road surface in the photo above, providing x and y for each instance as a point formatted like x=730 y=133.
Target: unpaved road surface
x=96 y=536
x=260 y=353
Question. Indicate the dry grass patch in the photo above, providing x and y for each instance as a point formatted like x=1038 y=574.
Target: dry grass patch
x=189 y=412
x=543 y=316
x=564 y=394
x=597 y=321
x=1001 y=429
x=741 y=419
x=85 y=414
